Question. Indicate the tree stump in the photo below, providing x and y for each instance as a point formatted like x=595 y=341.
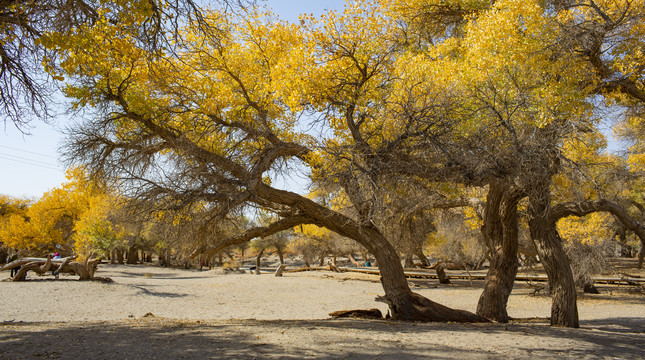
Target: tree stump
x=441 y=274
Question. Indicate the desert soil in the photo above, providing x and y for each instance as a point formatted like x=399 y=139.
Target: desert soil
x=158 y=313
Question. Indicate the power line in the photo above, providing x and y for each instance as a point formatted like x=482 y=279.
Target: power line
x=28 y=162
x=28 y=159
x=27 y=151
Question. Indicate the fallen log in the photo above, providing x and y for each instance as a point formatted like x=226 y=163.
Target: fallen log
x=35 y=266
x=24 y=261
x=361 y=314
x=84 y=270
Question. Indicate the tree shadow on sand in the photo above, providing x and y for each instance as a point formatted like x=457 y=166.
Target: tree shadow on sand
x=156 y=338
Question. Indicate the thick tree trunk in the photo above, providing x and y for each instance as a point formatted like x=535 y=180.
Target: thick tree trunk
x=500 y=231
x=564 y=310
x=133 y=256
x=403 y=303
x=119 y=256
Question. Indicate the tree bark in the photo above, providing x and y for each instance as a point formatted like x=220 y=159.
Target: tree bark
x=409 y=260
x=84 y=270
x=119 y=256
x=441 y=274
x=133 y=255
x=422 y=257
x=500 y=232
x=403 y=303
x=564 y=310
x=35 y=266
x=258 y=260
x=279 y=270
x=280 y=255
x=586 y=207
x=352 y=259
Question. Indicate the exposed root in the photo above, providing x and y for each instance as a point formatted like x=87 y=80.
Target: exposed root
x=422 y=309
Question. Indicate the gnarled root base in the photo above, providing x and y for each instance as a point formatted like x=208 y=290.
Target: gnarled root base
x=418 y=308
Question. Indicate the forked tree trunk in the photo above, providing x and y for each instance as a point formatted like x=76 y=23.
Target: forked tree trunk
x=500 y=232
x=84 y=270
x=564 y=309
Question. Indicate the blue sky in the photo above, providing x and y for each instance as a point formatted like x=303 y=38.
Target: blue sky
x=30 y=164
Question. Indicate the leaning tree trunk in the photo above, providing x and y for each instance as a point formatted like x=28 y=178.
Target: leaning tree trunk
x=280 y=252
x=353 y=260
x=258 y=260
x=422 y=257
x=409 y=260
x=441 y=273
x=403 y=303
x=564 y=310
x=500 y=232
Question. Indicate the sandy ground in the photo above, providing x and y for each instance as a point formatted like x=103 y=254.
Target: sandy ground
x=207 y=314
